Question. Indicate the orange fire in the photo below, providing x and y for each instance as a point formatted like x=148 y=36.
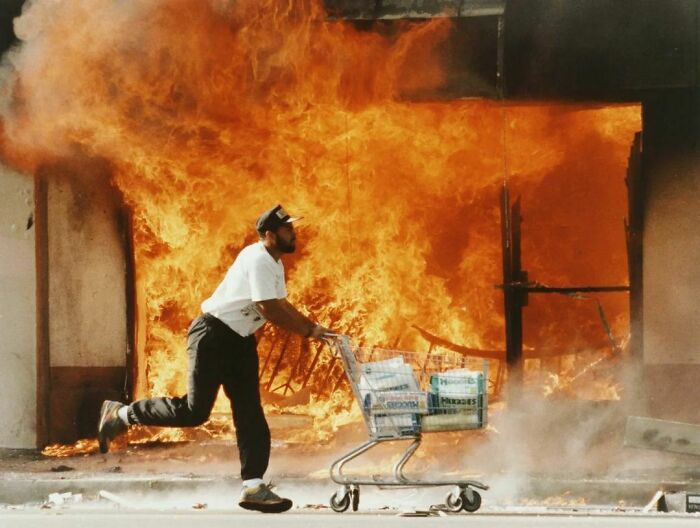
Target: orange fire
x=210 y=112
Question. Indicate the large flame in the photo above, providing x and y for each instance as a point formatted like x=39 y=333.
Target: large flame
x=210 y=112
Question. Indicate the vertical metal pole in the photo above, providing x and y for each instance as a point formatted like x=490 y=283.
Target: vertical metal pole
x=506 y=251
x=515 y=351
x=634 y=231
x=512 y=298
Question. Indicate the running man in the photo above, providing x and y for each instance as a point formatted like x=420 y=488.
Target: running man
x=221 y=348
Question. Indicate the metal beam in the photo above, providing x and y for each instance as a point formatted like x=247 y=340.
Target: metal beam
x=538 y=288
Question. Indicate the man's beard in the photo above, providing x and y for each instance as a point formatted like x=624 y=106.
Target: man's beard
x=286 y=247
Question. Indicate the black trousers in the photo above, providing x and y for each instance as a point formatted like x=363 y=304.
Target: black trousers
x=217 y=356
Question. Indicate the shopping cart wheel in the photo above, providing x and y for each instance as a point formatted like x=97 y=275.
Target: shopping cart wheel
x=355 y=498
x=342 y=504
x=453 y=501
x=470 y=505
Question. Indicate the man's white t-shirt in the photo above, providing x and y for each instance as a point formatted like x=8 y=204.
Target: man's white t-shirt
x=254 y=276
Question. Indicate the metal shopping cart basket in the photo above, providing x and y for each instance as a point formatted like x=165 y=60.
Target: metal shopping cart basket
x=403 y=395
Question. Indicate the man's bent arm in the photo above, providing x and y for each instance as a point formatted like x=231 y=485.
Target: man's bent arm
x=281 y=313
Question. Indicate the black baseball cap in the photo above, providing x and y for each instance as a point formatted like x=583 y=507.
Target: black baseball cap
x=274 y=218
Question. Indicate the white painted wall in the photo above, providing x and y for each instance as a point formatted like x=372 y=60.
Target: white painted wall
x=17 y=312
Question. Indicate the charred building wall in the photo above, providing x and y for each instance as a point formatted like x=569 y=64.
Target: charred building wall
x=63 y=308
x=85 y=310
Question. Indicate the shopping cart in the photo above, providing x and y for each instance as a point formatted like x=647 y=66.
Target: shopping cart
x=403 y=395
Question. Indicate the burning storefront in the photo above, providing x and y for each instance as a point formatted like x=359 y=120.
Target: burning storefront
x=157 y=133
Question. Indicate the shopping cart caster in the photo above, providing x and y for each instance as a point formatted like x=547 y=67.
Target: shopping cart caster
x=355 y=498
x=470 y=504
x=341 y=504
x=453 y=501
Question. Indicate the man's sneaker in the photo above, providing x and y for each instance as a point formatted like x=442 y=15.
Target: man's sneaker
x=261 y=498
x=110 y=425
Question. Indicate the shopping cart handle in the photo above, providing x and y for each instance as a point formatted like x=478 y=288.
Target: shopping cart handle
x=330 y=338
x=334 y=342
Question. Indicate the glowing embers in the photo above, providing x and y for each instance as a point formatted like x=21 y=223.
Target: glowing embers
x=81 y=447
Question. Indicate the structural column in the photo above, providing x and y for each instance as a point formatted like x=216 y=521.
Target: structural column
x=86 y=307
x=671 y=260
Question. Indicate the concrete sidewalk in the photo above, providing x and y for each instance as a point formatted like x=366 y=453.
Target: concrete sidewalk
x=22 y=488
x=208 y=471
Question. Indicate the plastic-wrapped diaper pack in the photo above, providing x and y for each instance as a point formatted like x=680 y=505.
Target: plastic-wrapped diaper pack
x=397 y=407
x=392 y=397
x=456 y=401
